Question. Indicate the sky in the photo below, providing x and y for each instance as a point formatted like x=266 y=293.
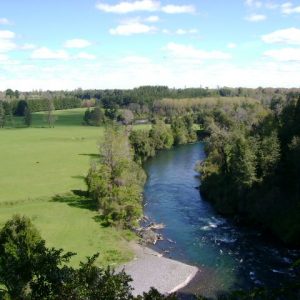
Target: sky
x=90 y=44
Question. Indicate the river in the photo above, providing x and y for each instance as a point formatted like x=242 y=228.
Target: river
x=230 y=257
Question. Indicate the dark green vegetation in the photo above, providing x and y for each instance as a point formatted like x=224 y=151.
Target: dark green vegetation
x=253 y=167
x=116 y=182
x=161 y=136
x=98 y=116
x=30 y=270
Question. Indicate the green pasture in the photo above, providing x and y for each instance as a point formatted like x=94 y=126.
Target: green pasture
x=42 y=174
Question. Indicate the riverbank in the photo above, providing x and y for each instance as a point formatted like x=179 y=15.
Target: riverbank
x=150 y=269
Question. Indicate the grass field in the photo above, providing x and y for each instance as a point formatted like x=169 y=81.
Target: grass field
x=39 y=163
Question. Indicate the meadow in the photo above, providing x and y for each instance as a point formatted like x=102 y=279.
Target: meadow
x=42 y=176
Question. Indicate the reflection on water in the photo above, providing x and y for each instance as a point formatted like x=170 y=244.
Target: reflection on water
x=196 y=234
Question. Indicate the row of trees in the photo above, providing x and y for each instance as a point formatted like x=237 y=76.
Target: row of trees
x=6 y=116
x=162 y=136
x=253 y=166
x=18 y=107
x=98 y=116
x=140 y=99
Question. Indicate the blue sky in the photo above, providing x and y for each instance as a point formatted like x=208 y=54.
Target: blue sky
x=67 y=44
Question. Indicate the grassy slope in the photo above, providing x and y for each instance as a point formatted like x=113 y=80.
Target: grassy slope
x=38 y=163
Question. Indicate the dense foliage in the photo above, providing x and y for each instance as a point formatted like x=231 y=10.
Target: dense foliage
x=162 y=136
x=116 y=182
x=30 y=270
x=253 y=166
x=94 y=117
x=98 y=116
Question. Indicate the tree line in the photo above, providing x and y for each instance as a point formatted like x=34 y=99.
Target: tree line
x=162 y=136
x=24 y=110
x=252 y=169
x=141 y=98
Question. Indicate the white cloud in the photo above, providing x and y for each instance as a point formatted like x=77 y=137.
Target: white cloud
x=253 y=3
x=4 y=21
x=186 y=31
x=77 y=43
x=231 y=45
x=288 y=8
x=28 y=47
x=152 y=19
x=131 y=28
x=127 y=73
x=3 y=57
x=256 y=18
x=178 y=9
x=6 y=43
x=166 y=31
x=271 y=5
x=46 y=53
x=6 y=34
x=188 y=52
x=285 y=54
x=83 y=55
x=127 y=7
x=134 y=59
x=290 y=36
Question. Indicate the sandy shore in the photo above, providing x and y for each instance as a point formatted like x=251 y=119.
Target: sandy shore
x=151 y=269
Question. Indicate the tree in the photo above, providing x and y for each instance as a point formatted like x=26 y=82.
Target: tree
x=27 y=117
x=142 y=145
x=94 y=117
x=30 y=270
x=242 y=164
x=116 y=181
x=2 y=115
x=17 y=94
x=9 y=93
x=126 y=116
x=20 y=109
x=50 y=118
x=20 y=244
x=162 y=136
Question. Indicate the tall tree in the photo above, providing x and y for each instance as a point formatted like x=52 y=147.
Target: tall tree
x=116 y=181
x=27 y=117
x=50 y=118
x=9 y=93
x=2 y=115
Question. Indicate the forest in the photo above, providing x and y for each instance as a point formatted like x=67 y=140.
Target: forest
x=252 y=168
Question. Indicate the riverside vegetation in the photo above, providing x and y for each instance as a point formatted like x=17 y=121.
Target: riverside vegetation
x=252 y=144
x=252 y=169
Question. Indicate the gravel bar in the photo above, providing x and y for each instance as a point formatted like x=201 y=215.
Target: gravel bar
x=151 y=269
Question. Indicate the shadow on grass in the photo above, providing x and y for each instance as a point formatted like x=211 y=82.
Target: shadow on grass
x=78 y=177
x=77 y=199
x=92 y=155
x=101 y=220
x=80 y=199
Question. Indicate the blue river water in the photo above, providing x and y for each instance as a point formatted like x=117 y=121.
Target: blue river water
x=230 y=257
